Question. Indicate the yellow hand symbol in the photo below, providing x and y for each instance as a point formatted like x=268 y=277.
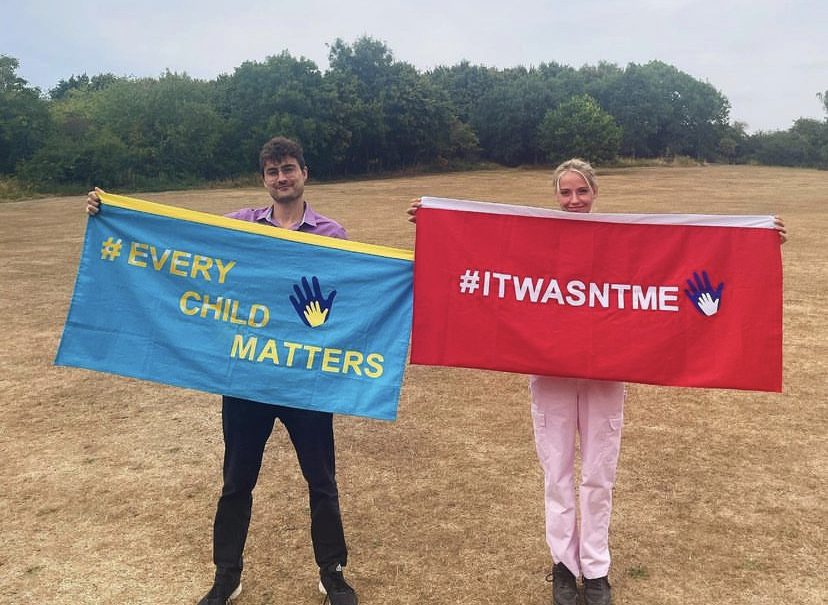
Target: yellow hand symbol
x=314 y=314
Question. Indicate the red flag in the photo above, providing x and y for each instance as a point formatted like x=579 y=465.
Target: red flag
x=684 y=300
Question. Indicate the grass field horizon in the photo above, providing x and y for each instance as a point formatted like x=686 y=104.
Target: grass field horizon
x=108 y=485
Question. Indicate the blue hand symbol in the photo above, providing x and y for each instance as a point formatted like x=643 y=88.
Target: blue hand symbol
x=312 y=308
x=705 y=297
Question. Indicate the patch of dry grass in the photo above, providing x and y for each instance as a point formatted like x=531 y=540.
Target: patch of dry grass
x=108 y=485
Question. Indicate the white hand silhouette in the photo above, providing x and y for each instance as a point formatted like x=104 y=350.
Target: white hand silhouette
x=707 y=304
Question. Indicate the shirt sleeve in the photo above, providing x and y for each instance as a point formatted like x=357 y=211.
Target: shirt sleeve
x=243 y=214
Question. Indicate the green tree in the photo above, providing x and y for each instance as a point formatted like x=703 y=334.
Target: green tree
x=506 y=118
x=664 y=112
x=83 y=83
x=169 y=124
x=360 y=73
x=734 y=143
x=282 y=95
x=78 y=150
x=813 y=135
x=24 y=117
x=463 y=143
x=598 y=79
x=823 y=98
x=579 y=128
x=418 y=117
x=782 y=148
x=131 y=133
x=464 y=84
x=804 y=144
x=394 y=116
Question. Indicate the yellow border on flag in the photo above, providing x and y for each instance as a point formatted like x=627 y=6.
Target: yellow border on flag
x=195 y=216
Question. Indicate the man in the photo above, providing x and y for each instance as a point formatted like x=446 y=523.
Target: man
x=247 y=424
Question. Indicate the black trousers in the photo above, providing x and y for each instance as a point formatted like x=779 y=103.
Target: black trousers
x=247 y=426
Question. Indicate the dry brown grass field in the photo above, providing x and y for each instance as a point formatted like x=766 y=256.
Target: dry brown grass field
x=108 y=485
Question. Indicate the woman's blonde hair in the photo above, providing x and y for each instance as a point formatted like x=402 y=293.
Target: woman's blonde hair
x=577 y=166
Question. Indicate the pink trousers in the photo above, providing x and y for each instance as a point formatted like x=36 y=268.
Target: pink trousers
x=594 y=410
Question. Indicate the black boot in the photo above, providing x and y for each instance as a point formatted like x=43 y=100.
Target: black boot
x=564 y=585
x=226 y=587
x=597 y=591
x=332 y=583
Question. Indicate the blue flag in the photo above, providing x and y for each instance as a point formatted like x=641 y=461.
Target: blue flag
x=235 y=308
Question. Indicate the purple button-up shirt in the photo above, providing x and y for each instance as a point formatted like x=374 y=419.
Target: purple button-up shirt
x=311 y=222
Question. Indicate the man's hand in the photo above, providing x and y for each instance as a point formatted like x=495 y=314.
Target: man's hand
x=93 y=202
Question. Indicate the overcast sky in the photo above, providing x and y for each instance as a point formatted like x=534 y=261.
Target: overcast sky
x=768 y=57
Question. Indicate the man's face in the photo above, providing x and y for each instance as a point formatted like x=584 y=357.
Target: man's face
x=284 y=180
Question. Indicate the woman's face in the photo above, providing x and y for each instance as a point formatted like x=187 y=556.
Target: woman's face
x=574 y=194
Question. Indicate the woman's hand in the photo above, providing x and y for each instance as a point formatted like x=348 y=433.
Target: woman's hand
x=412 y=210
x=779 y=225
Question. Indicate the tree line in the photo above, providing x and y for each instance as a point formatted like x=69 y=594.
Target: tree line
x=370 y=113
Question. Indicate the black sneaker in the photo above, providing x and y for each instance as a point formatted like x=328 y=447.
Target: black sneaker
x=564 y=585
x=332 y=584
x=597 y=591
x=226 y=587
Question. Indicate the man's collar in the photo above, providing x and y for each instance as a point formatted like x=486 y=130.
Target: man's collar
x=308 y=216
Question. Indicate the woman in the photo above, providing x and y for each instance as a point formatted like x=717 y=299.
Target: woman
x=593 y=410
